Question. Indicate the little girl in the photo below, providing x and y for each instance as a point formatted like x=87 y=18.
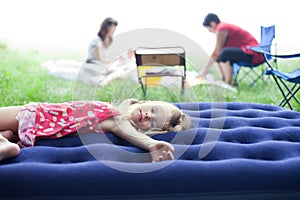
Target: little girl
x=132 y=120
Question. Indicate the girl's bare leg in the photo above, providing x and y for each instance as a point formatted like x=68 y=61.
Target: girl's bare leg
x=7 y=118
x=8 y=125
x=8 y=134
x=7 y=148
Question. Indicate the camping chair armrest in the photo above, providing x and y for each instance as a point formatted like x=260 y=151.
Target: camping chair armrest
x=259 y=49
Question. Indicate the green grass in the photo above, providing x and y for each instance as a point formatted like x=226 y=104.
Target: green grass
x=23 y=80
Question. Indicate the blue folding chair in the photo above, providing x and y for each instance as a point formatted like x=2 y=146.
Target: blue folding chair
x=267 y=34
x=282 y=78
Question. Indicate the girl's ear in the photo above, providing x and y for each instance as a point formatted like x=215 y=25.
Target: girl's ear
x=178 y=128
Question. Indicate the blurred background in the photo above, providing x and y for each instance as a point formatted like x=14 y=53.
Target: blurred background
x=33 y=32
x=67 y=26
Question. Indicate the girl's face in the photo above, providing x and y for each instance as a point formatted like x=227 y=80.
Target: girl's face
x=150 y=114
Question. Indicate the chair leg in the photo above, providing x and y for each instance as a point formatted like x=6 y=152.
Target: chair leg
x=245 y=75
x=144 y=88
x=282 y=92
x=253 y=80
x=290 y=94
x=235 y=81
x=258 y=77
x=182 y=88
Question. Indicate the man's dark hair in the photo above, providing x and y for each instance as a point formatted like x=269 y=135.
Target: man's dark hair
x=211 y=17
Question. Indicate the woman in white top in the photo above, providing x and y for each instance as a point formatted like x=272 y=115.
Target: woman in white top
x=97 y=54
x=97 y=47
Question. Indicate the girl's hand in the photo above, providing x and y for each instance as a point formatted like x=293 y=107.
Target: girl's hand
x=161 y=151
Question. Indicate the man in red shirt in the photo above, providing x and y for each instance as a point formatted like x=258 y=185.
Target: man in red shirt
x=231 y=47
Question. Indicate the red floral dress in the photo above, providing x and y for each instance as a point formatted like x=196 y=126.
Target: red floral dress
x=44 y=120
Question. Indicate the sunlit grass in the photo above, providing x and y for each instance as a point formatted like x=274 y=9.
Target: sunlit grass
x=23 y=80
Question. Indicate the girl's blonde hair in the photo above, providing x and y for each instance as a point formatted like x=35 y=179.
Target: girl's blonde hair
x=179 y=121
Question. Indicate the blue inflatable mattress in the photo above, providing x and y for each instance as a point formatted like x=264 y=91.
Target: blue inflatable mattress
x=234 y=151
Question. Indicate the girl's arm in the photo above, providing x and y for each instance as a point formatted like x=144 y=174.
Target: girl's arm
x=159 y=150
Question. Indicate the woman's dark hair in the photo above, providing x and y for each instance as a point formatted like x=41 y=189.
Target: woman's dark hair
x=211 y=17
x=104 y=28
